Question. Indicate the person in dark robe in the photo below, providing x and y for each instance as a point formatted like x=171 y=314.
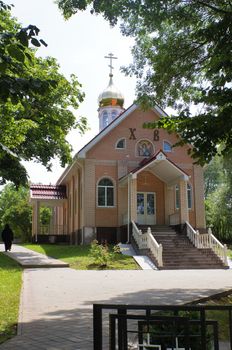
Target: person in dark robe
x=7 y=237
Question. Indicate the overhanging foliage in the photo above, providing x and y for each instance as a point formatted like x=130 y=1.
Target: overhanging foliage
x=183 y=59
x=36 y=102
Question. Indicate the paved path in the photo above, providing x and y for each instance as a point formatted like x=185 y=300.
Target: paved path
x=56 y=304
x=27 y=258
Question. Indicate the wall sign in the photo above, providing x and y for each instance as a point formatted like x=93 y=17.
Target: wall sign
x=156 y=135
x=132 y=134
x=133 y=137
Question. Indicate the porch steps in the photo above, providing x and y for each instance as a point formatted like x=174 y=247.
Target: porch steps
x=179 y=252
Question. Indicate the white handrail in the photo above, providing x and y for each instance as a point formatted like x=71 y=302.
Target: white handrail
x=218 y=248
x=192 y=235
x=140 y=239
x=147 y=241
x=207 y=240
x=155 y=248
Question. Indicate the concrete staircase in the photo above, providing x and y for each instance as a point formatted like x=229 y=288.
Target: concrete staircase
x=179 y=252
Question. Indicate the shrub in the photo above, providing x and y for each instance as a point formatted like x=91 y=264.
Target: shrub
x=100 y=253
x=117 y=249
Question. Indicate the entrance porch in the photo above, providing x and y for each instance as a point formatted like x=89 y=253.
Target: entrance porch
x=156 y=193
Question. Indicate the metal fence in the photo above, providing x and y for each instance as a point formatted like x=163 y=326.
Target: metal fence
x=168 y=327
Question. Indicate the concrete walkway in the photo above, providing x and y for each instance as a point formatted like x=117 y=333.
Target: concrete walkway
x=28 y=259
x=56 y=304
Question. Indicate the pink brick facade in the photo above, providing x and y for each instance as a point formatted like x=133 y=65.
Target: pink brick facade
x=101 y=159
x=105 y=182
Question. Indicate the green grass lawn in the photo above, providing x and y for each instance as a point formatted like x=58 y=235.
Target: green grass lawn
x=221 y=317
x=10 y=286
x=79 y=257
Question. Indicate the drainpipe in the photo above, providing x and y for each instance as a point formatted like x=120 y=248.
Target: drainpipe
x=128 y=209
x=82 y=202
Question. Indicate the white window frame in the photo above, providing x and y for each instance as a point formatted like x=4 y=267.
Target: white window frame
x=114 y=114
x=190 y=193
x=122 y=139
x=113 y=186
x=105 y=114
x=177 y=197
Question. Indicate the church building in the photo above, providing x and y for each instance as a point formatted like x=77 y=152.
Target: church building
x=126 y=174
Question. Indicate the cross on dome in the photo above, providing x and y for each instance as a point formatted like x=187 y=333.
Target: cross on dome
x=111 y=100
x=111 y=57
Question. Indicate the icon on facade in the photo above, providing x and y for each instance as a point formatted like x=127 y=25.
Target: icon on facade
x=145 y=148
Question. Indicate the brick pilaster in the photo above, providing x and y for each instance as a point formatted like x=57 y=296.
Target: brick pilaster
x=184 y=213
x=133 y=199
x=89 y=193
x=199 y=197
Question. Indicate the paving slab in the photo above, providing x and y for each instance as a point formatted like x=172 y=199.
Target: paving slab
x=56 y=304
x=29 y=259
x=142 y=260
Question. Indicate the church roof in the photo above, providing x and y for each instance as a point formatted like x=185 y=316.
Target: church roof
x=47 y=192
x=111 y=96
x=82 y=152
x=161 y=166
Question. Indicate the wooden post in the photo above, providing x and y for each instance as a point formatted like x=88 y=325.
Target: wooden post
x=35 y=220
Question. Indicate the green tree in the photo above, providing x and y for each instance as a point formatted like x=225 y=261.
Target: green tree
x=37 y=102
x=219 y=197
x=16 y=211
x=45 y=215
x=218 y=213
x=213 y=175
x=183 y=59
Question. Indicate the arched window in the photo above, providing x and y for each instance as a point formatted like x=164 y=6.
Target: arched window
x=144 y=148
x=121 y=144
x=177 y=197
x=167 y=147
x=105 y=195
x=189 y=196
x=114 y=114
x=105 y=119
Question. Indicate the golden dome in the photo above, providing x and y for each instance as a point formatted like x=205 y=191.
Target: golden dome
x=111 y=96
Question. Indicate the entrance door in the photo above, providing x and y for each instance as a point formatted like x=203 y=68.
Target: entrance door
x=146 y=208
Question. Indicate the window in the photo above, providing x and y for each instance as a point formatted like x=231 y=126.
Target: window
x=114 y=114
x=167 y=147
x=189 y=196
x=121 y=144
x=105 y=120
x=145 y=148
x=105 y=193
x=177 y=196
